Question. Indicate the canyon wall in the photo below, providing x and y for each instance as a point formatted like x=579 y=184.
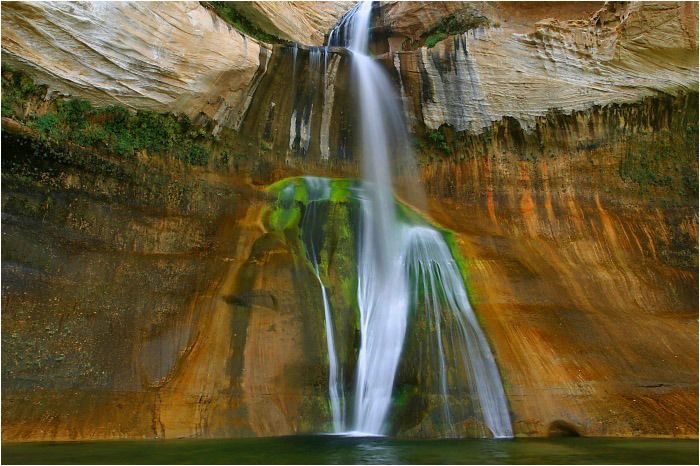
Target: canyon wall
x=305 y=23
x=143 y=297
x=516 y=62
x=178 y=57
x=619 y=55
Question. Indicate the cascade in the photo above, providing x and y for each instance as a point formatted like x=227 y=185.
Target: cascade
x=319 y=191
x=401 y=266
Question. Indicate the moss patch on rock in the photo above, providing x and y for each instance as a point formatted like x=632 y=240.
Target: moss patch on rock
x=456 y=23
x=233 y=16
x=114 y=129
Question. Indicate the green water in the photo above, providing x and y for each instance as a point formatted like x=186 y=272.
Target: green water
x=342 y=450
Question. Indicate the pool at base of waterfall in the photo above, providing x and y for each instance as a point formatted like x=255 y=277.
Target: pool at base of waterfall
x=334 y=449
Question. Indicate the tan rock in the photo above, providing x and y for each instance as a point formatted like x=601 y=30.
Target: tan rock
x=413 y=19
x=586 y=288
x=303 y=22
x=620 y=54
x=161 y=56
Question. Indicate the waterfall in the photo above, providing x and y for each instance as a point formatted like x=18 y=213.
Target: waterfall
x=382 y=289
x=394 y=257
x=429 y=261
x=319 y=191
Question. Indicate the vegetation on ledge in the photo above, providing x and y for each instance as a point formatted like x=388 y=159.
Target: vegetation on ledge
x=456 y=23
x=435 y=140
x=232 y=16
x=113 y=128
x=291 y=198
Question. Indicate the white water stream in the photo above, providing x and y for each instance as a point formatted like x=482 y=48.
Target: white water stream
x=319 y=190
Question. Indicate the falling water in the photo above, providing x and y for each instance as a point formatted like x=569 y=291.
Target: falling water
x=319 y=191
x=382 y=289
x=429 y=261
x=393 y=256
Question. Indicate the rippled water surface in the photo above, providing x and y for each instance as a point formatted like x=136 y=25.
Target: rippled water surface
x=326 y=449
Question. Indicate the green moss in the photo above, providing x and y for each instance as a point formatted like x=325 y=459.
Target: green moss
x=433 y=39
x=406 y=214
x=340 y=190
x=283 y=219
x=49 y=125
x=456 y=23
x=195 y=155
x=232 y=15
x=17 y=90
x=665 y=160
x=112 y=128
x=462 y=265
x=438 y=140
x=301 y=194
x=338 y=251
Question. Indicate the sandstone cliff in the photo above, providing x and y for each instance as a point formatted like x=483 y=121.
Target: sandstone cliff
x=621 y=53
x=305 y=23
x=521 y=65
x=161 y=56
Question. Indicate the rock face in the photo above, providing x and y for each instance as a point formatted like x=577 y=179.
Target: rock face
x=301 y=22
x=145 y=299
x=150 y=302
x=412 y=20
x=159 y=56
x=586 y=282
x=528 y=61
x=621 y=54
x=166 y=57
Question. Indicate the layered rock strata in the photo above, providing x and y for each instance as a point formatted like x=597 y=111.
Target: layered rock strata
x=161 y=56
x=302 y=22
x=620 y=54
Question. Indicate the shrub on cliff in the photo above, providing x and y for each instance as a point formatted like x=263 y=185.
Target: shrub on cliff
x=113 y=128
x=231 y=15
x=456 y=23
x=18 y=89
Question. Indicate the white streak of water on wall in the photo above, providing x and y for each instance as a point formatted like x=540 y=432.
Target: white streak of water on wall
x=319 y=190
x=292 y=129
x=300 y=125
x=328 y=101
x=404 y=99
